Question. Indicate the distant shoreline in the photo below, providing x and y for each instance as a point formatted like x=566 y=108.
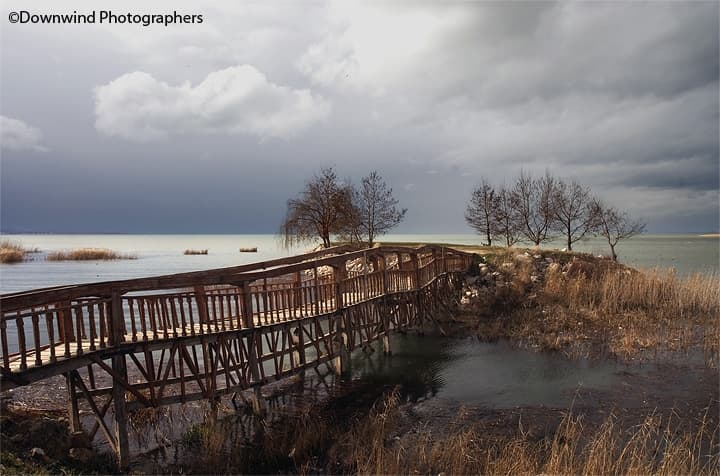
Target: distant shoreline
x=710 y=235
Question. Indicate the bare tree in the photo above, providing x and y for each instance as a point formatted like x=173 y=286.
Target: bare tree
x=572 y=211
x=505 y=219
x=319 y=211
x=480 y=212
x=351 y=222
x=615 y=225
x=532 y=199
x=377 y=208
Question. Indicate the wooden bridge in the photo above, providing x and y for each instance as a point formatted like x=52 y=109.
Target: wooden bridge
x=155 y=341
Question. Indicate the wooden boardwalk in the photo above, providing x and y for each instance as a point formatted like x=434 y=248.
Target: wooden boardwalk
x=203 y=334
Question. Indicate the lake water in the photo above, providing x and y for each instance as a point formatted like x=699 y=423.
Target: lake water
x=163 y=254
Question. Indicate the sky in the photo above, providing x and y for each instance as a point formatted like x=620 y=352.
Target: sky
x=211 y=127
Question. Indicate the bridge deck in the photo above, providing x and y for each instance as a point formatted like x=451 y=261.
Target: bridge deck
x=84 y=346
x=204 y=334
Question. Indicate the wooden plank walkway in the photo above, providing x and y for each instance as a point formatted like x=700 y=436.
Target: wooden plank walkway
x=209 y=333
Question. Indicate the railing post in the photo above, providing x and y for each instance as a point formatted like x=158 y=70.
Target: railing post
x=117 y=319
x=316 y=289
x=416 y=266
x=201 y=305
x=297 y=295
x=385 y=275
x=339 y=272
x=247 y=317
x=65 y=324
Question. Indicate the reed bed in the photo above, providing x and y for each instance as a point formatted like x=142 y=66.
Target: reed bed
x=14 y=251
x=658 y=294
x=381 y=442
x=252 y=249
x=195 y=252
x=9 y=256
x=88 y=254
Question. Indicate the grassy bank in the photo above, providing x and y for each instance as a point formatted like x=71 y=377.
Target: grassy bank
x=584 y=305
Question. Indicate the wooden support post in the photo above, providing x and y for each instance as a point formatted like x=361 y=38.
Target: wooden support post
x=254 y=349
x=386 y=336
x=342 y=359
x=73 y=410
x=120 y=410
x=119 y=381
x=385 y=309
x=418 y=290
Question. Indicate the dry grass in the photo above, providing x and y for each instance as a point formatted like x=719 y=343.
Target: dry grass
x=88 y=254
x=662 y=444
x=195 y=252
x=249 y=250
x=656 y=446
x=639 y=310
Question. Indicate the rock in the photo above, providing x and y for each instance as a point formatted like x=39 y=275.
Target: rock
x=39 y=454
x=537 y=256
x=549 y=260
x=80 y=439
x=507 y=265
x=82 y=455
x=524 y=258
x=533 y=278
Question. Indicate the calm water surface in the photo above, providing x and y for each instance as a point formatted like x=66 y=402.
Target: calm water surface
x=497 y=375
x=163 y=254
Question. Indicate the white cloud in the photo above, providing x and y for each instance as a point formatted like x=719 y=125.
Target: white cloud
x=17 y=135
x=234 y=100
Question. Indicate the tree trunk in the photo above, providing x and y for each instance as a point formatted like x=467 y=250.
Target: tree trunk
x=612 y=250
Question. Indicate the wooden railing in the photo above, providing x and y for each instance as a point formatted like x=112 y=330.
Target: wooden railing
x=46 y=326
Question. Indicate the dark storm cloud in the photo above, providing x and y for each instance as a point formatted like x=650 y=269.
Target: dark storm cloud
x=212 y=128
